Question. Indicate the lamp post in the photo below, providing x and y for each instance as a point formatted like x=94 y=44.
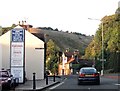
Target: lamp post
x=102 y=71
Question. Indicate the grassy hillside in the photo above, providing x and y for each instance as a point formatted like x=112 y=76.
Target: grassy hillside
x=65 y=40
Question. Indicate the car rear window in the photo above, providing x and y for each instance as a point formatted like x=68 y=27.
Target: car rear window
x=88 y=71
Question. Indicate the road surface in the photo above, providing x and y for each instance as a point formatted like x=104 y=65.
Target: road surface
x=70 y=84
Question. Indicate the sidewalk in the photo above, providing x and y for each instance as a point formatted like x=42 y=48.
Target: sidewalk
x=40 y=84
x=112 y=76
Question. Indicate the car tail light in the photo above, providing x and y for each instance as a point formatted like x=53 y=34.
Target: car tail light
x=96 y=74
x=82 y=75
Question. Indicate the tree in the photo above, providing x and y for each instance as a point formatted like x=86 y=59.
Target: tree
x=6 y=29
x=0 y=30
x=111 y=26
x=52 y=56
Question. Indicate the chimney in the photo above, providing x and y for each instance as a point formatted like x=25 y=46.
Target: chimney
x=19 y=23
x=22 y=22
x=25 y=22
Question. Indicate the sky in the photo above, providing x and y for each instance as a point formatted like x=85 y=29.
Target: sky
x=66 y=15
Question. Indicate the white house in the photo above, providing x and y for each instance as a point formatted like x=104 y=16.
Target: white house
x=34 y=54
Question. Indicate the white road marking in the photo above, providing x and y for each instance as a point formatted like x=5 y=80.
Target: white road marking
x=89 y=88
x=56 y=85
x=117 y=84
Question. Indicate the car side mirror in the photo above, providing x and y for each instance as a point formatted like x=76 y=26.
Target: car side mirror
x=98 y=72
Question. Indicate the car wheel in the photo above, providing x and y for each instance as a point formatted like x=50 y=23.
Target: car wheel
x=9 y=87
x=79 y=82
x=98 y=82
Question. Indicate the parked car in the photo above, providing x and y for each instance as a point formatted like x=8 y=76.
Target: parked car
x=7 y=81
x=15 y=80
x=88 y=74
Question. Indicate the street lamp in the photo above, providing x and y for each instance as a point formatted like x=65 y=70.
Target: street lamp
x=102 y=71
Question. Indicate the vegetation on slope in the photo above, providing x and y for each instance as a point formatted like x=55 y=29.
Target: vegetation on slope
x=65 y=40
x=111 y=26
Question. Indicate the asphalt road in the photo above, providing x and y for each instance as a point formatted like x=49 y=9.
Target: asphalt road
x=70 y=84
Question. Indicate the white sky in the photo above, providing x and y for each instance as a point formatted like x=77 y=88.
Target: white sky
x=66 y=15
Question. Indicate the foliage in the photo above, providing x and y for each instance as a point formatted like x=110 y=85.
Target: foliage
x=69 y=40
x=0 y=30
x=76 y=66
x=5 y=29
x=52 y=56
x=46 y=28
x=111 y=26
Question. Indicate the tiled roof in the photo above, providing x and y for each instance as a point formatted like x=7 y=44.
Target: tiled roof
x=40 y=36
x=69 y=54
x=71 y=60
x=37 y=33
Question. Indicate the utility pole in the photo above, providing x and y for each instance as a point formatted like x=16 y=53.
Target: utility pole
x=102 y=71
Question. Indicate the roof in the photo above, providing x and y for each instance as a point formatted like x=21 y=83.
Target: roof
x=71 y=60
x=37 y=33
x=26 y=26
x=34 y=31
x=40 y=36
x=69 y=54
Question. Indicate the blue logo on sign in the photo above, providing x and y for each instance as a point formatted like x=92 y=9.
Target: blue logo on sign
x=17 y=35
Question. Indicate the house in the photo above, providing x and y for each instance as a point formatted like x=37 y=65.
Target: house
x=64 y=67
x=34 y=54
x=71 y=63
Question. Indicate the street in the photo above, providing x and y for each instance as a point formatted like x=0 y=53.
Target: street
x=70 y=83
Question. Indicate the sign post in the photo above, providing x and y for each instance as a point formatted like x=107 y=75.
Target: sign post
x=17 y=53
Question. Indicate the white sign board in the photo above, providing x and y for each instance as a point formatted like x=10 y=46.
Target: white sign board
x=17 y=49
x=17 y=73
x=17 y=53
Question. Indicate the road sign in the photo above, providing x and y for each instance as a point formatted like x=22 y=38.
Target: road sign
x=17 y=72
x=17 y=50
x=17 y=35
x=17 y=53
x=102 y=59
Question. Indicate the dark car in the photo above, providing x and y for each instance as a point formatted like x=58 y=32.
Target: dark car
x=6 y=80
x=88 y=75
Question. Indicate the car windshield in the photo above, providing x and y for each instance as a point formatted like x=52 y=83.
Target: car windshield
x=88 y=71
x=4 y=74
